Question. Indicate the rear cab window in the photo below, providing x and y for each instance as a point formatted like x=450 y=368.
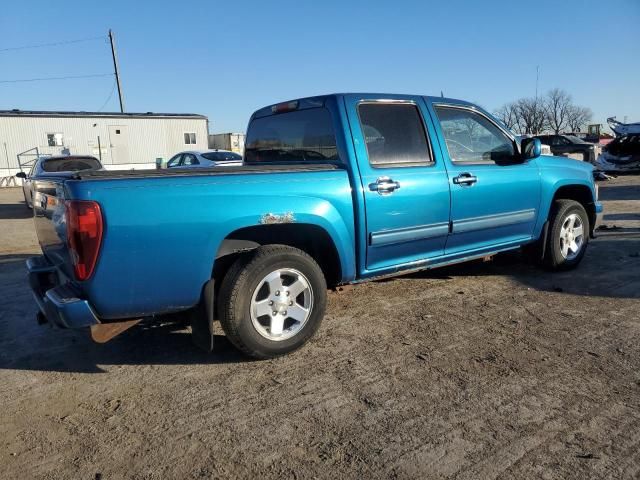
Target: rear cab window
x=292 y=137
x=71 y=164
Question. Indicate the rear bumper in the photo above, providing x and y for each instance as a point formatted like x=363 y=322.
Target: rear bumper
x=59 y=303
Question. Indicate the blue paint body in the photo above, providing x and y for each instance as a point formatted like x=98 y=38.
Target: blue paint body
x=162 y=233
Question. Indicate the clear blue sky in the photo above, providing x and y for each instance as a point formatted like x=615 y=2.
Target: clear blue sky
x=226 y=59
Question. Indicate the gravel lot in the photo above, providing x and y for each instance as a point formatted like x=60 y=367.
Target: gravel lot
x=485 y=370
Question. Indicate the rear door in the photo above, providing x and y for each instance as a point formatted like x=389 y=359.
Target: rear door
x=406 y=191
x=119 y=141
x=494 y=196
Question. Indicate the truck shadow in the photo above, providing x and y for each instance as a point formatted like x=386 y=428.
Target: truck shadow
x=25 y=345
x=148 y=343
x=619 y=192
x=14 y=211
x=610 y=269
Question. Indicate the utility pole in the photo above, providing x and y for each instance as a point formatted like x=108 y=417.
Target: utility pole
x=115 y=68
x=537 y=77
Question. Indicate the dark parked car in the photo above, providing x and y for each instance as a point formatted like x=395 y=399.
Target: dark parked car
x=566 y=144
x=44 y=166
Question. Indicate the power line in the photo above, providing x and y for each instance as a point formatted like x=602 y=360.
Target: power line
x=113 y=88
x=54 y=44
x=55 y=78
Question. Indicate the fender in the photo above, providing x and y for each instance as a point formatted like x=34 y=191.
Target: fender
x=557 y=173
x=308 y=211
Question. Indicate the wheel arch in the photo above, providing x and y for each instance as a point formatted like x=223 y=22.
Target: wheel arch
x=310 y=238
x=579 y=193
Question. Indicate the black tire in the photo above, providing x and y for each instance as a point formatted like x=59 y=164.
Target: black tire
x=237 y=289
x=553 y=257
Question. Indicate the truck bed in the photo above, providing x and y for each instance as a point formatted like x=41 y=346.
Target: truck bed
x=163 y=228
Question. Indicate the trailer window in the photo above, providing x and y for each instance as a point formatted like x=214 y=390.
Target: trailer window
x=301 y=136
x=55 y=140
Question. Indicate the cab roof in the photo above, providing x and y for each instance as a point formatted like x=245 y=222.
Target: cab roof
x=320 y=100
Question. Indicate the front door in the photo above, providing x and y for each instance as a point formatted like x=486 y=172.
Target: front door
x=119 y=140
x=405 y=186
x=494 y=197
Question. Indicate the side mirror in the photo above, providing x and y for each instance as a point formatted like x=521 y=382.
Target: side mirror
x=530 y=148
x=21 y=175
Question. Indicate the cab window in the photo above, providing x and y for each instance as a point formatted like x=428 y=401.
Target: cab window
x=394 y=134
x=472 y=138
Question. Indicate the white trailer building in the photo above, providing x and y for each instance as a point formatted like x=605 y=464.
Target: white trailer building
x=121 y=140
x=227 y=141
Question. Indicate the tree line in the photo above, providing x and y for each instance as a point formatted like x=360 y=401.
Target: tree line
x=553 y=112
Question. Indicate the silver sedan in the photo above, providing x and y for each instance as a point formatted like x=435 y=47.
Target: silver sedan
x=205 y=158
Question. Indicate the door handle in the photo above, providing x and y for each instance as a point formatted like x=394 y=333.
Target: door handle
x=465 y=179
x=384 y=186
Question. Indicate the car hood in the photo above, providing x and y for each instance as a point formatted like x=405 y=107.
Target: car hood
x=549 y=161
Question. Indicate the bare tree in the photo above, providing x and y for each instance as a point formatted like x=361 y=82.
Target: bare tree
x=508 y=114
x=555 y=112
x=557 y=108
x=578 y=117
x=531 y=115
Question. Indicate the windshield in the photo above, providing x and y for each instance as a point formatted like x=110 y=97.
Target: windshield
x=574 y=139
x=299 y=136
x=221 y=156
x=70 y=164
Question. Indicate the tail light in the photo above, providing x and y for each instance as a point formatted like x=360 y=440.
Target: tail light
x=84 y=235
x=285 y=107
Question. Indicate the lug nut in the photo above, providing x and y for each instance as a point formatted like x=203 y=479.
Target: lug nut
x=270 y=302
x=288 y=293
x=290 y=303
x=284 y=313
x=275 y=313
x=277 y=293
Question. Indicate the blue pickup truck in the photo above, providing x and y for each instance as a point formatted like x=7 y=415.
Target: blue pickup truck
x=335 y=189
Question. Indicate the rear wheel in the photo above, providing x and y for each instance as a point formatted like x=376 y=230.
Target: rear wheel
x=568 y=235
x=272 y=301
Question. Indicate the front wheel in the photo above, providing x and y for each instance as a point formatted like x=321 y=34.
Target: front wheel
x=272 y=301
x=568 y=235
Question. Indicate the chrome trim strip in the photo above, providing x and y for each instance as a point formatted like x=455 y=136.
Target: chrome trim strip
x=493 y=221
x=401 y=235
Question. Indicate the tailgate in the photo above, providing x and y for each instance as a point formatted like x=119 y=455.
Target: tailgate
x=49 y=218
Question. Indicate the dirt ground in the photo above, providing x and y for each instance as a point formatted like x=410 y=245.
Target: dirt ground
x=485 y=370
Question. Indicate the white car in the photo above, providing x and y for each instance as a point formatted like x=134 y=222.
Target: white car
x=205 y=158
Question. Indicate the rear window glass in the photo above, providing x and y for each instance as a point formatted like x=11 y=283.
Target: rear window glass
x=221 y=156
x=71 y=164
x=303 y=136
